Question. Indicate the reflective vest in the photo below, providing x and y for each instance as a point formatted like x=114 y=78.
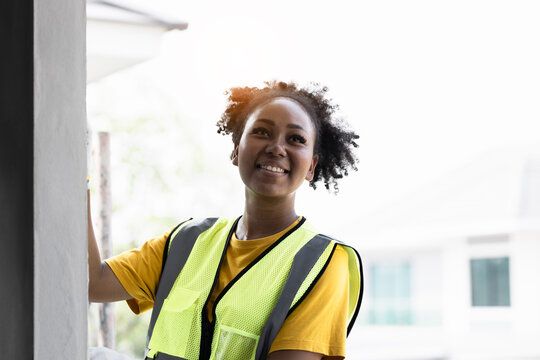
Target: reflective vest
x=250 y=310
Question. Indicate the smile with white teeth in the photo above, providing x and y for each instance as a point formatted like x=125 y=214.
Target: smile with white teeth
x=272 y=168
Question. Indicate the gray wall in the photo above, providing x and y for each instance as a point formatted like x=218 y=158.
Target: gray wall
x=43 y=260
x=60 y=250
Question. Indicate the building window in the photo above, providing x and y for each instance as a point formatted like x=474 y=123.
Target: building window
x=390 y=292
x=490 y=282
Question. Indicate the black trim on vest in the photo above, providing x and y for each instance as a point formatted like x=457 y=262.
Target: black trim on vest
x=312 y=285
x=361 y=293
x=180 y=251
x=207 y=327
x=302 y=264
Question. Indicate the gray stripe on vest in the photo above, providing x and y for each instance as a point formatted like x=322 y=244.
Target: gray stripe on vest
x=179 y=251
x=302 y=264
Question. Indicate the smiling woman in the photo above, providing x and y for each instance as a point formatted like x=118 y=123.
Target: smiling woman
x=265 y=285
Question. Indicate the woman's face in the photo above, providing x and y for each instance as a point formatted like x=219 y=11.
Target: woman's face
x=275 y=152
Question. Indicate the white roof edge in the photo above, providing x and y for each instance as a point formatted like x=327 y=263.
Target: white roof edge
x=140 y=17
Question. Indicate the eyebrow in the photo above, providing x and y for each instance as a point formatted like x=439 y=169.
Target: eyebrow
x=271 y=122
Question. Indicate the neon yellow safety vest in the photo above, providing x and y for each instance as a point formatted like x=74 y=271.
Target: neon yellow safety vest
x=250 y=310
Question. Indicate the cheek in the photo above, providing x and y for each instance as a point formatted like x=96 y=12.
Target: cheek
x=304 y=161
x=244 y=155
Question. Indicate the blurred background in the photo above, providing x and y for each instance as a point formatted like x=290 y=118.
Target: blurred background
x=445 y=206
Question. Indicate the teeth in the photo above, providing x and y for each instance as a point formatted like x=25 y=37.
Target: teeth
x=271 y=168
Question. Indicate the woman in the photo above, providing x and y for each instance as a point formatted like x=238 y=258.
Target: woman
x=265 y=285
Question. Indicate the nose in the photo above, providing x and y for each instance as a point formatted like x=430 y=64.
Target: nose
x=276 y=147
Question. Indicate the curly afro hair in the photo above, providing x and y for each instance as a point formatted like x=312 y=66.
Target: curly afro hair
x=334 y=144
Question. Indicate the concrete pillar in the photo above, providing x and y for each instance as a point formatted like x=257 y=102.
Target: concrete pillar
x=60 y=236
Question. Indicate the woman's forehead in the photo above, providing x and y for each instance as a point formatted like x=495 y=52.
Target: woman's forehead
x=282 y=109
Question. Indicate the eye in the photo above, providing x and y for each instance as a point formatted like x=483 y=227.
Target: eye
x=298 y=139
x=260 y=131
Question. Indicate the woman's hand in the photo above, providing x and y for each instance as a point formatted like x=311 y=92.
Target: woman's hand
x=294 y=355
x=103 y=285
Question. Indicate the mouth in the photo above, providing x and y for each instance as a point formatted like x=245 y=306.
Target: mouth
x=274 y=169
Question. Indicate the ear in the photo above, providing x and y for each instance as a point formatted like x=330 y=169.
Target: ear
x=234 y=155
x=311 y=171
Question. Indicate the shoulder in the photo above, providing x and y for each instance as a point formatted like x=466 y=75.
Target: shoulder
x=336 y=274
x=340 y=258
x=338 y=263
x=152 y=247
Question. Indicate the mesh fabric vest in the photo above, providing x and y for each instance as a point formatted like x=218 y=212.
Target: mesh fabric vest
x=249 y=311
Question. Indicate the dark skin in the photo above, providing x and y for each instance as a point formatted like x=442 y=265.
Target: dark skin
x=274 y=157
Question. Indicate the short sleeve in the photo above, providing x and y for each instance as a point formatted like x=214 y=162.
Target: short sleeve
x=319 y=323
x=139 y=270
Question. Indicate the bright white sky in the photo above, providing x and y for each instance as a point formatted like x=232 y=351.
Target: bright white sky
x=428 y=85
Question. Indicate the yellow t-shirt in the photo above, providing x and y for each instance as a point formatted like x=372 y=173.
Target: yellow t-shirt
x=318 y=324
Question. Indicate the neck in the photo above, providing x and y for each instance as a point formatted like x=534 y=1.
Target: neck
x=265 y=216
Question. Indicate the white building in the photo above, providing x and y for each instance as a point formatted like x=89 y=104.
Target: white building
x=452 y=271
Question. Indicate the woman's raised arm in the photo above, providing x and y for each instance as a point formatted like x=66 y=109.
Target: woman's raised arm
x=103 y=285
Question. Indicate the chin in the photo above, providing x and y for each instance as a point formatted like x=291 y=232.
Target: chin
x=271 y=192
